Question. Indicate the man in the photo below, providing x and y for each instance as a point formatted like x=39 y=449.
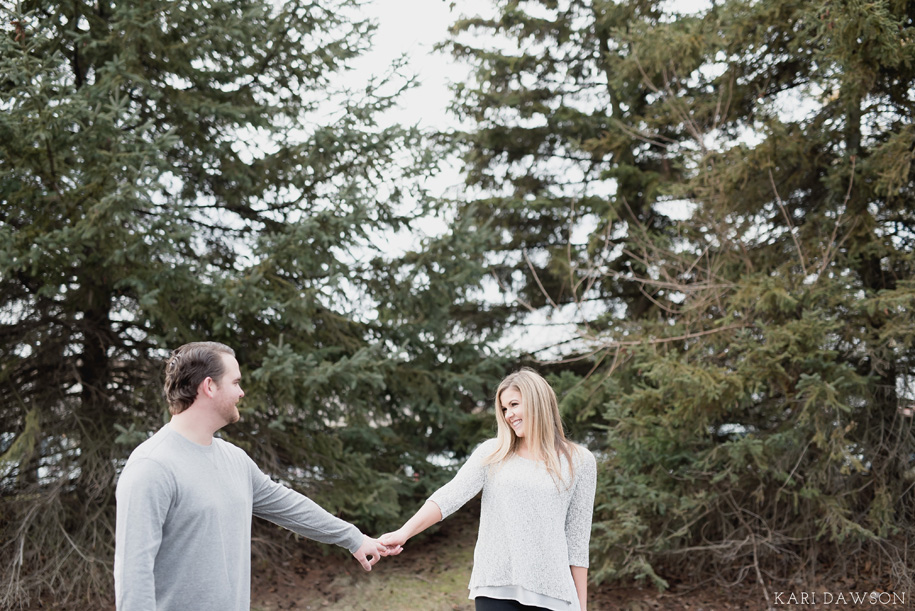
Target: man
x=185 y=500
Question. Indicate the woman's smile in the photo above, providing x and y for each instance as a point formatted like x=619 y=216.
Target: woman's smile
x=513 y=410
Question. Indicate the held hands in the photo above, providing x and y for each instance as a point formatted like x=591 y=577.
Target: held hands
x=391 y=544
x=394 y=540
x=427 y=515
x=371 y=551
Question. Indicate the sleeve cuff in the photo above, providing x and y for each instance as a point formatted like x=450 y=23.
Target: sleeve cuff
x=354 y=541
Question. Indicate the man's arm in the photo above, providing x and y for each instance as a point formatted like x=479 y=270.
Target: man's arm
x=144 y=493
x=298 y=513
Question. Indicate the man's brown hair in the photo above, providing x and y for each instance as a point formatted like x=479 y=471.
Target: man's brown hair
x=187 y=367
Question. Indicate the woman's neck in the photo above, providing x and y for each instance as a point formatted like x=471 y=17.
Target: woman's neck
x=523 y=449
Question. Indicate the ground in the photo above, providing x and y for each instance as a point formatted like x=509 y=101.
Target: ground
x=433 y=571
x=432 y=575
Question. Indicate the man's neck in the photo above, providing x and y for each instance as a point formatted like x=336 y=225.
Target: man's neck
x=191 y=425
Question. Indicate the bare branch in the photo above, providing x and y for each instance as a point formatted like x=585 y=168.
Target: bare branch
x=797 y=244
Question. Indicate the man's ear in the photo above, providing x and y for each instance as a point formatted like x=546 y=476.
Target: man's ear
x=207 y=388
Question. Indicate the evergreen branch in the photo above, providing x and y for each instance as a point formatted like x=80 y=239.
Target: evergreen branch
x=572 y=359
x=666 y=308
x=676 y=338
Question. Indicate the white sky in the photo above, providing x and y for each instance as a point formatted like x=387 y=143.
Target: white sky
x=414 y=27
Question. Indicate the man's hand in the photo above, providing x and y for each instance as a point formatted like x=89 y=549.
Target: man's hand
x=370 y=552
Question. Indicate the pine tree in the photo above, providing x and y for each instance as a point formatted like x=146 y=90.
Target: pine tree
x=173 y=172
x=743 y=176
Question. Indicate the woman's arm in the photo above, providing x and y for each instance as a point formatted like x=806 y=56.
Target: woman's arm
x=578 y=523
x=465 y=485
x=581 y=509
x=580 y=577
x=427 y=515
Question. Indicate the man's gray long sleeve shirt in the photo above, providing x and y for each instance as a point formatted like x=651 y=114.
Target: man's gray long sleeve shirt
x=183 y=534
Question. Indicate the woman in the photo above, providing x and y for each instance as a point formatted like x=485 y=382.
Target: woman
x=538 y=496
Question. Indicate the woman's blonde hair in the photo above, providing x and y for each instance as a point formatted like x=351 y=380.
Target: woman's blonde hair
x=543 y=427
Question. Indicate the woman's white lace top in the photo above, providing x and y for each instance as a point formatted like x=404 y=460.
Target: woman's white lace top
x=531 y=528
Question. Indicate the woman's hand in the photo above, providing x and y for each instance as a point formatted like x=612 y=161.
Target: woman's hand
x=393 y=540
